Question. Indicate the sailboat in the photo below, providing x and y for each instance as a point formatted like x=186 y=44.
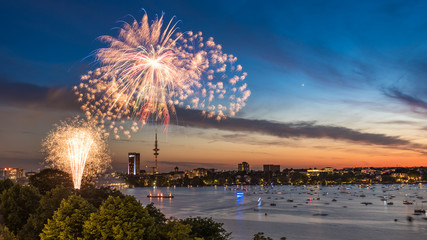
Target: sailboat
x=419 y=210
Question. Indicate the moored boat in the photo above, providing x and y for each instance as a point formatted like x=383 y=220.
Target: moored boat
x=160 y=196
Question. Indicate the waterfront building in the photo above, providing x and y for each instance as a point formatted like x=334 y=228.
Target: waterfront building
x=199 y=172
x=11 y=173
x=316 y=172
x=134 y=163
x=29 y=174
x=112 y=180
x=243 y=167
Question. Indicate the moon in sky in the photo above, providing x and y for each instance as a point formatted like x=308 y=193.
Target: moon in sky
x=302 y=85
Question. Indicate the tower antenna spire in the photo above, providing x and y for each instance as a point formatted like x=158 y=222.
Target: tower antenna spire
x=156 y=150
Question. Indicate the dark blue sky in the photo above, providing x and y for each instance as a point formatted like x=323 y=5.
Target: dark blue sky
x=355 y=65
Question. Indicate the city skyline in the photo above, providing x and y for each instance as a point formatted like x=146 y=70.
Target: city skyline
x=338 y=84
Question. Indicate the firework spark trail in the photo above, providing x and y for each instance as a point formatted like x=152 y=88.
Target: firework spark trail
x=77 y=147
x=148 y=70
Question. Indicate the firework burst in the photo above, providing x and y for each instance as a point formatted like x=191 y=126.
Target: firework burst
x=149 y=69
x=77 y=147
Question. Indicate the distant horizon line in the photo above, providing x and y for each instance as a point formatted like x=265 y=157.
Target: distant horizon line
x=235 y=169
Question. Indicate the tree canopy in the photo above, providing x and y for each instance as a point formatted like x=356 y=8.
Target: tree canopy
x=120 y=218
x=5 y=185
x=49 y=203
x=67 y=222
x=16 y=205
x=96 y=196
x=206 y=228
x=47 y=179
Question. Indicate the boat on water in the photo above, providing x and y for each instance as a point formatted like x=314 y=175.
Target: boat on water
x=160 y=195
x=240 y=194
x=320 y=214
x=419 y=210
x=407 y=202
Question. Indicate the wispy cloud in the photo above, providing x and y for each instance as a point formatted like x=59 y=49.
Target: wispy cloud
x=25 y=95
x=415 y=103
x=32 y=96
x=193 y=118
x=399 y=122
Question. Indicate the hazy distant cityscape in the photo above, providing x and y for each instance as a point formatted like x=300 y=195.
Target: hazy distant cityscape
x=244 y=175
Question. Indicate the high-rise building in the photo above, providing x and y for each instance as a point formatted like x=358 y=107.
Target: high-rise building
x=134 y=161
x=243 y=167
x=271 y=168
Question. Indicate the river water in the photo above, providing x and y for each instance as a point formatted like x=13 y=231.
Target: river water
x=302 y=212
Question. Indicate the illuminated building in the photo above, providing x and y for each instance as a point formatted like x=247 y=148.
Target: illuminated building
x=112 y=180
x=316 y=172
x=200 y=172
x=134 y=161
x=11 y=173
x=243 y=167
x=29 y=174
x=271 y=168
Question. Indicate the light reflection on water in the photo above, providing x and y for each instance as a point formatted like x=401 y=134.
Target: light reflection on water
x=345 y=218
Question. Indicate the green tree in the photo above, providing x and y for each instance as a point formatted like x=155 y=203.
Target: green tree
x=173 y=230
x=67 y=222
x=159 y=217
x=5 y=185
x=5 y=234
x=48 y=179
x=260 y=236
x=120 y=218
x=49 y=203
x=206 y=228
x=96 y=196
x=16 y=205
x=299 y=178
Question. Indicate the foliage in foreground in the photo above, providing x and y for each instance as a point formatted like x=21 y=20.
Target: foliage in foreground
x=260 y=236
x=120 y=218
x=49 y=203
x=124 y=218
x=92 y=213
x=5 y=234
x=67 y=222
x=16 y=205
x=48 y=179
x=206 y=228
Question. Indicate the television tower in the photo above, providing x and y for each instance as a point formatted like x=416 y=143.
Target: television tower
x=155 y=153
